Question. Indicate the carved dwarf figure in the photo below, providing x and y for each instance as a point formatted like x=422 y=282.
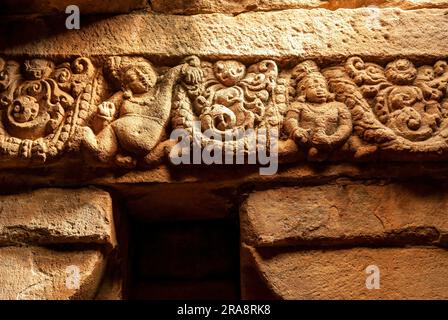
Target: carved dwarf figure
x=133 y=121
x=314 y=120
x=235 y=96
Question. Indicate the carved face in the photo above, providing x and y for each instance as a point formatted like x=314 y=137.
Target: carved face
x=11 y=71
x=24 y=109
x=425 y=73
x=37 y=69
x=401 y=71
x=139 y=79
x=316 y=89
x=229 y=72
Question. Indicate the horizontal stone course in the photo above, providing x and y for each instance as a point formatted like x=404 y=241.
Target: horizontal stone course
x=232 y=6
x=404 y=273
x=55 y=216
x=346 y=214
x=290 y=35
x=59 y=6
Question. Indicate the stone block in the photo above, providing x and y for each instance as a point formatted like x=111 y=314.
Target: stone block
x=346 y=214
x=34 y=273
x=404 y=273
x=55 y=216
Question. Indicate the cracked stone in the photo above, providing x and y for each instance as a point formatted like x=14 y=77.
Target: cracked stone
x=33 y=273
x=52 y=216
x=351 y=213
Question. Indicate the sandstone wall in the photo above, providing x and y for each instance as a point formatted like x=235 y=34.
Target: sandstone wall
x=348 y=97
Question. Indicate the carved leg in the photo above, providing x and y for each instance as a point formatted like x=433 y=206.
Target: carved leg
x=104 y=145
x=315 y=154
x=158 y=154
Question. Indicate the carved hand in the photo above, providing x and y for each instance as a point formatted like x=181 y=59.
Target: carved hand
x=320 y=139
x=191 y=71
x=301 y=135
x=106 y=110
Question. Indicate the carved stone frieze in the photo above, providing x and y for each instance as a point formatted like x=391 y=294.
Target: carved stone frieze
x=399 y=107
x=229 y=99
x=41 y=105
x=121 y=110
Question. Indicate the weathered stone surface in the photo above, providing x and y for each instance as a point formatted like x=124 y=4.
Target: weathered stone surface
x=347 y=213
x=32 y=273
x=231 y=6
x=51 y=216
x=133 y=184
x=236 y=6
x=111 y=287
x=59 y=6
x=405 y=273
x=290 y=34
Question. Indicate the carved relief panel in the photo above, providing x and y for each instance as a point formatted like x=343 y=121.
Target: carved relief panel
x=229 y=99
x=399 y=108
x=41 y=104
x=120 y=111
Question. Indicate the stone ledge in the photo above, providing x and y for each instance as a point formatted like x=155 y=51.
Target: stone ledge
x=236 y=7
x=218 y=177
x=291 y=34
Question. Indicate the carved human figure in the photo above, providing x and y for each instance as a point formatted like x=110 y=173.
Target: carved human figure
x=235 y=96
x=314 y=119
x=133 y=121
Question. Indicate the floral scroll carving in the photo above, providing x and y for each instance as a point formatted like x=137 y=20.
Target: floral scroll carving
x=41 y=104
x=399 y=108
x=121 y=110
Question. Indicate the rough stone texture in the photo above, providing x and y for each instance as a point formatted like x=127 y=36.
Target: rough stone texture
x=238 y=6
x=51 y=216
x=32 y=273
x=132 y=184
x=90 y=109
x=346 y=213
x=59 y=6
x=111 y=287
x=118 y=112
x=290 y=34
x=405 y=273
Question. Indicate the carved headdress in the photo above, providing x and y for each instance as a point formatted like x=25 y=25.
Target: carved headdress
x=117 y=67
x=301 y=75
